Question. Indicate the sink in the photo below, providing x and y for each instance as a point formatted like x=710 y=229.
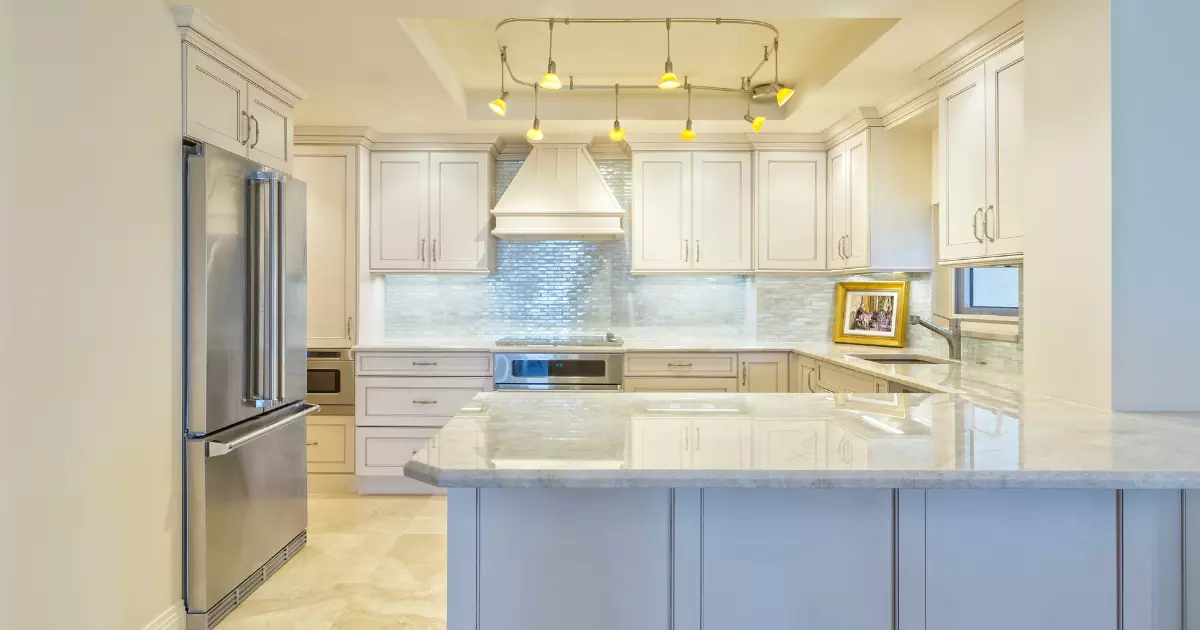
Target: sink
x=900 y=359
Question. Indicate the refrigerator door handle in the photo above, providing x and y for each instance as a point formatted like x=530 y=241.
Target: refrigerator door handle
x=258 y=369
x=216 y=448
x=279 y=281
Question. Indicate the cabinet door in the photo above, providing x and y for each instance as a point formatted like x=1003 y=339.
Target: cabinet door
x=1005 y=76
x=790 y=444
x=661 y=443
x=662 y=212
x=722 y=443
x=385 y=450
x=763 y=372
x=837 y=215
x=331 y=176
x=330 y=444
x=857 y=245
x=214 y=102
x=961 y=161
x=721 y=211
x=710 y=385
x=459 y=211
x=399 y=211
x=791 y=211
x=271 y=130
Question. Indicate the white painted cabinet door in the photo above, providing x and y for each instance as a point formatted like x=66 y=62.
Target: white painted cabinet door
x=791 y=211
x=1005 y=139
x=661 y=443
x=681 y=385
x=662 y=211
x=763 y=372
x=857 y=245
x=330 y=444
x=215 y=101
x=331 y=175
x=837 y=212
x=270 y=130
x=459 y=211
x=721 y=239
x=961 y=158
x=722 y=443
x=790 y=444
x=399 y=211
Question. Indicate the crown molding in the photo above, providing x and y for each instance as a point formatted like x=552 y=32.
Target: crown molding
x=197 y=28
x=854 y=122
x=788 y=142
x=672 y=142
x=1001 y=32
x=907 y=105
x=360 y=136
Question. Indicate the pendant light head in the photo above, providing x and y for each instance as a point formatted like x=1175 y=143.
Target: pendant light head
x=617 y=134
x=668 y=81
x=500 y=105
x=550 y=80
x=535 y=132
x=687 y=133
x=783 y=94
x=756 y=122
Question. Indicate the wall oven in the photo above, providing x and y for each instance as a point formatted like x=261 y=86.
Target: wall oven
x=550 y=371
x=331 y=381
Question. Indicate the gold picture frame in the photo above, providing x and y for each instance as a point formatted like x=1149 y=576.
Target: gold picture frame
x=878 y=317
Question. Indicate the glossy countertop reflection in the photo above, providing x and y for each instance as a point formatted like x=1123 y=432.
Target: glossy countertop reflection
x=610 y=440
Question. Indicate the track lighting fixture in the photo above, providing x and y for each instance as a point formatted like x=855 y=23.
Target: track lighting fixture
x=687 y=133
x=756 y=122
x=550 y=80
x=500 y=105
x=535 y=132
x=668 y=81
x=617 y=134
x=782 y=94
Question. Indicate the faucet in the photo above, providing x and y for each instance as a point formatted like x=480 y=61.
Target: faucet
x=953 y=336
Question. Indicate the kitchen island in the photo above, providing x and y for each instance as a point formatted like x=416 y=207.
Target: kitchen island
x=831 y=511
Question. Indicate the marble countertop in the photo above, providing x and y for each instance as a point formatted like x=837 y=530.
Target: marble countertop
x=606 y=440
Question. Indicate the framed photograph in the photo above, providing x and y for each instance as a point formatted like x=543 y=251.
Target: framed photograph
x=871 y=313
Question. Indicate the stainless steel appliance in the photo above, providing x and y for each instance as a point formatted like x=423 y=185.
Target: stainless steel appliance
x=573 y=367
x=246 y=505
x=331 y=381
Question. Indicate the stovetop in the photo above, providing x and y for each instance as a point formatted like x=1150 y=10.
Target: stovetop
x=605 y=340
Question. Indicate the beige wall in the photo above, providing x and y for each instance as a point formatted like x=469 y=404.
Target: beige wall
x=90 y=529
x=1068 y=261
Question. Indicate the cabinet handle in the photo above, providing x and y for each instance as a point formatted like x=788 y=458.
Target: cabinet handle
x=349 y=325
x=697 y=438
x=671 y=365
x=255 y=121
x=434 y=256
x=424 y=362
x=697 y=250
x=685 y=439
x=422 y=250
x=313 y=443
x=247 y=117
x=975 y=225
x=811 y=389
x=686 y=256
x=986 y=235
x=743 y=373
x=424 y=402
x=846 y=247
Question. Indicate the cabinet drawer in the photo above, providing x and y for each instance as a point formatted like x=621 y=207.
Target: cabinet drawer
x=330 y=444
x=385 y=450
x=386 y=401
x=425 y=363
x=841 y=379
x=710 y=385
x=661 y=364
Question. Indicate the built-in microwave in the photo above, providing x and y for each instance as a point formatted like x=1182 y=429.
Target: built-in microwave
x=331 y=381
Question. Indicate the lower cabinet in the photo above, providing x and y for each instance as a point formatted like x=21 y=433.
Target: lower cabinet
x=790 y=444
x=330 y=444
x=720 y=372
x=385 y=450
x=702 y=443
x=763 y=372
x=681 y=384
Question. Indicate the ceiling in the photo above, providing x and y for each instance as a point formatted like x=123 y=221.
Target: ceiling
x=414 y=66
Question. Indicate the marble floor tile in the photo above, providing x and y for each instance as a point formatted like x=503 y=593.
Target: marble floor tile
x=371 y=562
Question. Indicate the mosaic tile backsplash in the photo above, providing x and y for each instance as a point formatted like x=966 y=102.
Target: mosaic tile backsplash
x=560 y=287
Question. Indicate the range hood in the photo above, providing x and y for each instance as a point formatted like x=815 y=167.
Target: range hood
x=558 y=195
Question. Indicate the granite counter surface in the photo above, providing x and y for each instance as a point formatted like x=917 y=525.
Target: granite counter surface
x=609 y=440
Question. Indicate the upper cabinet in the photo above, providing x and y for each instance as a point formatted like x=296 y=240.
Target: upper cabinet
x=790 y=211
x=231 y=99
x=331 y=173
x=981 y=161
x=878 y=211
x=430 y=212
x=691 y=211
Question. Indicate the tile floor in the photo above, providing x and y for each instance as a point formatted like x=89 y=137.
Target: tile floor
x=376 y=563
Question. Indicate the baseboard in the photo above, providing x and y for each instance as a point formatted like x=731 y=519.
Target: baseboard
x=387 y=484
x=173 y=618
x=327 y=483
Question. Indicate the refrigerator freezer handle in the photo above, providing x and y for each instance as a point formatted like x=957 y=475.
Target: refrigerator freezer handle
x=217 y=448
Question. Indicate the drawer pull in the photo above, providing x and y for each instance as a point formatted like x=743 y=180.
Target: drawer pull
x=313 y=443
x=679 y=365
x=424 y=402
x=424 y=362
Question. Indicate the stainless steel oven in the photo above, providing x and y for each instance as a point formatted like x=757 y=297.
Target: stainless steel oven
x=548 y=371
x=331 y=381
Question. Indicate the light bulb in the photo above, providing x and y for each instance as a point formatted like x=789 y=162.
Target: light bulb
x=535 y=132
x=500 y=105
x=687 y=133
x=783 y=95
x=756 y=122
x=617 y=134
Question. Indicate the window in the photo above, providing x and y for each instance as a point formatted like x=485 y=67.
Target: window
x=987 y=291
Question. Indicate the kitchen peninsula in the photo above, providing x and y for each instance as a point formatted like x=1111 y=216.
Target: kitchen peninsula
x=934 y=511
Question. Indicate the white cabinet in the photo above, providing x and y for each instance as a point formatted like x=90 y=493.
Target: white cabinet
x=430 y=211
x=878 y=211
x=681 y=384
x=790 y=211
x=271 y=125
x=805 y=372
x=763 y=372
x=702 y=443
x=981 y=160
x=788 y=444
x=330 y=444
x=691 y=211
x=659 y=443
x=331 y=175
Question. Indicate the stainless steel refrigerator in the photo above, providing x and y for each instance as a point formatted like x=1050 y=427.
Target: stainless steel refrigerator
x=246 y=506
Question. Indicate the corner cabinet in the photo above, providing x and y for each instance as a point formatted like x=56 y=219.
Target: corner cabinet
x=981 y=161
x=431 y=212
x=790 y=211
x=878 y=211
x=691 y=212
x=331 y=175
